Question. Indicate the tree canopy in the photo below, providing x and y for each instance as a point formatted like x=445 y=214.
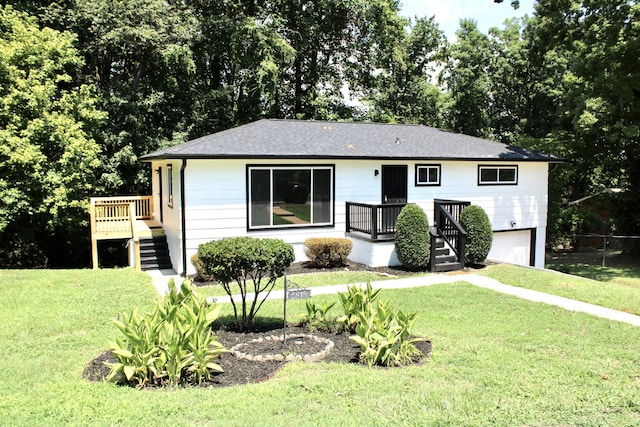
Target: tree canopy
x=89 y=86
x=48 y=156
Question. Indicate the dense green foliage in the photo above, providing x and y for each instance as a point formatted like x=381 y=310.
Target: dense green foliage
x=318 y=317
x=564 y=81
x=253 y=264
x=48 y=158
x=385 y=335
x=413 y=241
x=354 y=301
x=328 y=252
x=475 y=222
x=173 y=344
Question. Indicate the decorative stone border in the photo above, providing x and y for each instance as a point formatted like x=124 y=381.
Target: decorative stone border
x=235 y=350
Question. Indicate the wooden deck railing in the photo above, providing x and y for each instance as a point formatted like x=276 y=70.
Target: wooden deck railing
x=114 y=218
x=144 y=204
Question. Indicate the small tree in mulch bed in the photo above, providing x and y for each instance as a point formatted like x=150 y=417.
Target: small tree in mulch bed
x=475 y=222
x=253 y=264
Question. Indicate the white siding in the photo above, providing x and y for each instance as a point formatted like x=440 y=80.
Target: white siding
x=216 y=198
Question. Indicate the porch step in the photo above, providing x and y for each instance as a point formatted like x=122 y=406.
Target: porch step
x=447 y=266
x=444 y=260
x=154 y=254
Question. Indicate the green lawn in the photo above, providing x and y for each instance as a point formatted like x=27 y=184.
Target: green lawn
x=619 y=292
x=497 y=361
x=617 y=269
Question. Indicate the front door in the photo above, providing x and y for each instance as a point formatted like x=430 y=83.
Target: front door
x=394 y=190
x=394 y=184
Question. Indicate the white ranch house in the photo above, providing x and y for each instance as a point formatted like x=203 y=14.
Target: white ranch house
x=293 y=180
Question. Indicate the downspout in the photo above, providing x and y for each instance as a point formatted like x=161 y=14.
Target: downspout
x=183 y=206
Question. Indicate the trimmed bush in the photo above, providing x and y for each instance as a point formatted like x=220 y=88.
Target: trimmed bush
x=413 y=241
x=253 y=264
x=327 y=252
x=475 y=222
x=201 y=275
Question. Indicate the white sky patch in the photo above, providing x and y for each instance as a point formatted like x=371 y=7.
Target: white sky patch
x=448 y=13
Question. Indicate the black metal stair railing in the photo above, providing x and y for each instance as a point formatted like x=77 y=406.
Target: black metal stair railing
x=447 y=229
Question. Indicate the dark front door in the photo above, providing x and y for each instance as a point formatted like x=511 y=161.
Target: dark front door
x=394 y=184
x=394 y=190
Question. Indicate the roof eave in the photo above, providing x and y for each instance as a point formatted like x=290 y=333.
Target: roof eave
x=150 y=158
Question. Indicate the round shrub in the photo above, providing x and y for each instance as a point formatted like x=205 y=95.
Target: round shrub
x=253 y=264
x=475 y=222
x=412 y=238
x=327 y=251
x=233 y=257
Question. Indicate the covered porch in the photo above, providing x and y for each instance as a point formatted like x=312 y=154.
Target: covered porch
x=372 y=228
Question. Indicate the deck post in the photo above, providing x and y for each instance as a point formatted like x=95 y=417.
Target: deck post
x=134 y=234
x=94 y=241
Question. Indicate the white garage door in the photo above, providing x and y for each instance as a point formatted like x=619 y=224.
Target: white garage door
x=511 y=246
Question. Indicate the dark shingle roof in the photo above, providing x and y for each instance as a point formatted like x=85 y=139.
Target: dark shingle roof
x=271 y=138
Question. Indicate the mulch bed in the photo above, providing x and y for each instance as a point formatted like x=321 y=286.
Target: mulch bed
x=242 y=371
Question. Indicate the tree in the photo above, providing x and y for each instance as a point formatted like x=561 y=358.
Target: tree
x=467 y=80
x=247 y=261
x=597 y=94
x=48 y=155
x=405 y=91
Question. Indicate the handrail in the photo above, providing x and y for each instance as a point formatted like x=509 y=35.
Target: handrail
x=144 y=204
x=447 y=227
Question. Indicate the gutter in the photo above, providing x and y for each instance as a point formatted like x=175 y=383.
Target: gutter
x=183 y=205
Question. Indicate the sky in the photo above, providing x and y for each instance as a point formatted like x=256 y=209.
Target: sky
x=449 y=12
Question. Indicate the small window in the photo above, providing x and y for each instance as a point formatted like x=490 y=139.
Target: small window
x=427 y=175
x=170 y=185
x=497 y=175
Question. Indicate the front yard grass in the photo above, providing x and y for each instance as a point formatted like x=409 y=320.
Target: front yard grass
x=623 y=295
x=497 y=361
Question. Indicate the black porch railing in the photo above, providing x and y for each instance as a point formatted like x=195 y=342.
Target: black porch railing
x=447 y=228
x=376 y=221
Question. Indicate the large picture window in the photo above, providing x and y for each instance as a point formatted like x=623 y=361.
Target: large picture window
x=497 y=175
x=289 y=196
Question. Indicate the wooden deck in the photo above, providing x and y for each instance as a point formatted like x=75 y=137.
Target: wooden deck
x=128 y=217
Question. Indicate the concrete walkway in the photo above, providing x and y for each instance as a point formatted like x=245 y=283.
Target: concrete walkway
x=160 y=279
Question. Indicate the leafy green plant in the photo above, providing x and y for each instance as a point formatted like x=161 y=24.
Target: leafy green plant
x=173 y=342
x=354 y=301
x=413 y=242
x=247 y=261
x=317 y=317
x=328 y=252
x=385 y=336
x=475 y=222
